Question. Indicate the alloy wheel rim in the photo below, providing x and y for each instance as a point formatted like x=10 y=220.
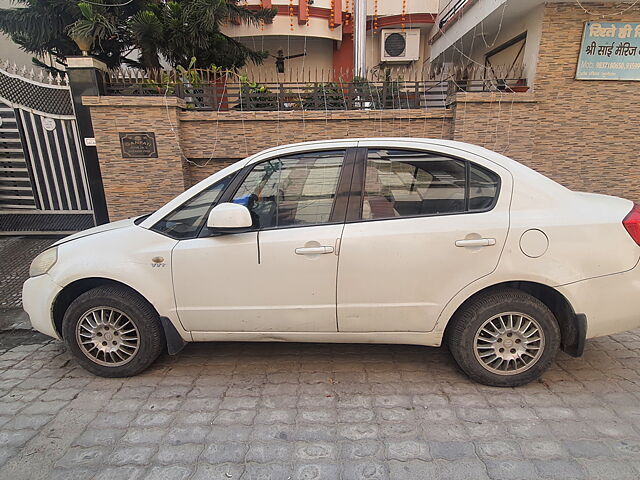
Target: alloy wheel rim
x=509 y=343
x=107 y=336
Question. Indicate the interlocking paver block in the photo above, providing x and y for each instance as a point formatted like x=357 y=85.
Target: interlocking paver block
x=227 y=452
x=184 y=425
x=452 y=450
x=186 y=434
x=174 y=472
x=179 y=454
x=560 y=468
x=225 y=471
x=119 y=473
x=508 y=469
x=365 y=470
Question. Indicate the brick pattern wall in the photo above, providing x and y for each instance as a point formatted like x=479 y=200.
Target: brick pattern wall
x=134 y=186
x=219 y=139
x=587 y=131
x=194 y=145
x=580 y=133
x=239 y=134
x=201 y=168
x=503 y=122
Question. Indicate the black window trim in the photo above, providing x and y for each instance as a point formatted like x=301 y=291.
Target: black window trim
x=340 y=201
x=358 y=195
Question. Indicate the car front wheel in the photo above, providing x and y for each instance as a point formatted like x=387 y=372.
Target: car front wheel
x=504 y=338
x=112 y=332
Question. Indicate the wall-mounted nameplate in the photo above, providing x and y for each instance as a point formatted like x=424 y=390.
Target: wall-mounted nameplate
x=138 y=145
x=609 y=51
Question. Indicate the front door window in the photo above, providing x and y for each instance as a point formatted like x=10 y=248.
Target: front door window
x=290 y=191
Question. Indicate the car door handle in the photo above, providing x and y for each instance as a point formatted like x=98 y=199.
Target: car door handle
x=476 y=242
x=314 y=250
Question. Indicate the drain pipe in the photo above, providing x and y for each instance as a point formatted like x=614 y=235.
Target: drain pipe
x=360 y=38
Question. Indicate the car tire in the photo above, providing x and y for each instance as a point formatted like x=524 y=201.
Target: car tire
x=504 y=338
x=112 y=331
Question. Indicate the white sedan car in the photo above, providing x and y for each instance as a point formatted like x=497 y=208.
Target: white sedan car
x=410 y=241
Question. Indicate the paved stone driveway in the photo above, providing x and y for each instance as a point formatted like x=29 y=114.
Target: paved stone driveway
x=16 y=254
x=306 y=411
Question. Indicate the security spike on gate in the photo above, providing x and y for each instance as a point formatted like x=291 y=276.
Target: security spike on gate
x=32 y=74
x=50 y=78
x=14 y=68
x=40 y=76
x=23 y=71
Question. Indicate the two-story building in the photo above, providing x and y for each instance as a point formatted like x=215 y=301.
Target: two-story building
x=318 y=35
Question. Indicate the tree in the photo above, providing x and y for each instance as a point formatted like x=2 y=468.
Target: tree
x=41 y=27
x=177 y=30
x=187 y=29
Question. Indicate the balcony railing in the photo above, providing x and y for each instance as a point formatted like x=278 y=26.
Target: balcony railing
x=450 y=10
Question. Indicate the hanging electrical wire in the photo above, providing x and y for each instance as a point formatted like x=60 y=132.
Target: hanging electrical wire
x=607 y=15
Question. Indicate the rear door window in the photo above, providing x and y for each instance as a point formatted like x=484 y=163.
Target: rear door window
x=404 y=183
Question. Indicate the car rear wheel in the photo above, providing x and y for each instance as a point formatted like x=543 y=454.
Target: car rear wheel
x=504 y=338
x=112 y=332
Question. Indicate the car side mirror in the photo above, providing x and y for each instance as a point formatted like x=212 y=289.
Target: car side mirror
x=229 y=218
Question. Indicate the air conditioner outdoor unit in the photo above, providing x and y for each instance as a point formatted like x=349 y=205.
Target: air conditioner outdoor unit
x=400 y=46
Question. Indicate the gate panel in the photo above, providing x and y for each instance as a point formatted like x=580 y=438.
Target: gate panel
x=56 y=162
x=15 y=184
x=43 y=181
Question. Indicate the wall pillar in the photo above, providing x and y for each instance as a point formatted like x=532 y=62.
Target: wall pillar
x=138 y=183
x=343 y=58
x=86 y=77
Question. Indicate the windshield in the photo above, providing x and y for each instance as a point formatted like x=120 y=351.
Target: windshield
x=187 y=220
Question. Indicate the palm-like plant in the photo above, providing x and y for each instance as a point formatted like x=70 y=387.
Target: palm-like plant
x=94 y=26
x=186 y=29
x=40 y=27
x=178 y=30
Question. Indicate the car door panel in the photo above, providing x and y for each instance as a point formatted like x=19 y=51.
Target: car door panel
x=211 y=276
x=281 y=277
x=299 y=287
x=398 y=273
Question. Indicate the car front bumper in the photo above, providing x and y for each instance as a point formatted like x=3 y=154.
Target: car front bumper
x=611 y=303
x=38 y=295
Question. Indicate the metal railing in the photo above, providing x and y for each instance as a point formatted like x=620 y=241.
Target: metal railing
x=229 y=91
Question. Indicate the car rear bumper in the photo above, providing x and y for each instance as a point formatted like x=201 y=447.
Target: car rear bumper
x=38 y=295
x=610 y=303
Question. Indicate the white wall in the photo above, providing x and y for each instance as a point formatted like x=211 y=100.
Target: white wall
x=317 y=27
x=319 y=55
x=394 y=7
x=504 y=23
x=374 y=48
x=9 y=50
x=531 y=23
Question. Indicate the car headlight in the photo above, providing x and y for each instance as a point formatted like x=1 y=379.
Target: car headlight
x=43 y=262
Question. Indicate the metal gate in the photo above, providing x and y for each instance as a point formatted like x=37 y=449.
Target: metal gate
x=43 y=180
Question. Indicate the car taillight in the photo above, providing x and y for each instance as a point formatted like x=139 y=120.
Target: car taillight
x=632 y=223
